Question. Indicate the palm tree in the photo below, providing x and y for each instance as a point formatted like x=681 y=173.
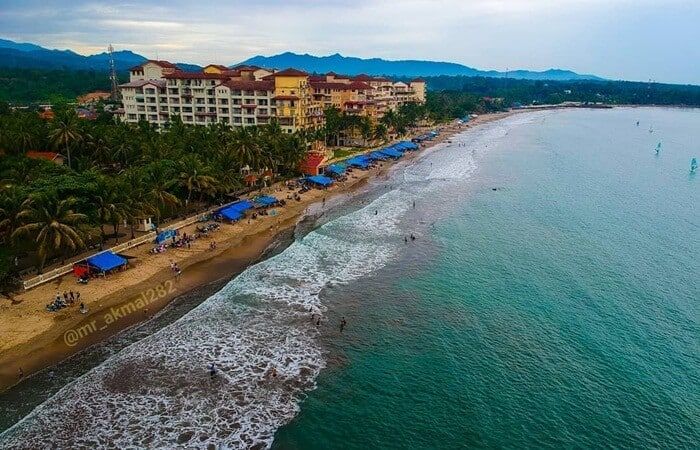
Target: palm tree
x=365 y=126
x=380 y=132
x=158 y=181
x=194 y=178
x=11 y=201
x=51 y=223
x=136 y=204
x=246 y=146
x=109 y=205
x=65 y=132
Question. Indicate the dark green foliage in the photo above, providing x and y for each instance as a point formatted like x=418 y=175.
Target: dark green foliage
x=552 y=92
x=24 y=86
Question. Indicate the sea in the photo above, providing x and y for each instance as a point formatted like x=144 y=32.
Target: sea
x=531 y=283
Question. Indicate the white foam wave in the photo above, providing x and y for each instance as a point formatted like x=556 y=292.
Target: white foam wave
x=157 y=393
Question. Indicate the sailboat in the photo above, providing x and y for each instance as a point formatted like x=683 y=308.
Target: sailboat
x=651 y=130
x=693 y=165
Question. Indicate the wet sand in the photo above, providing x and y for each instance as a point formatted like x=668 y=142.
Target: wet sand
x=32 y=339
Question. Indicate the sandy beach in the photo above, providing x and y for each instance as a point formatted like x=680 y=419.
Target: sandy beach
x=32 y=338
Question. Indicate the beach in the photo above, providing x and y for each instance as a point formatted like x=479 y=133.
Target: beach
x=32 y=338
x=540 y=263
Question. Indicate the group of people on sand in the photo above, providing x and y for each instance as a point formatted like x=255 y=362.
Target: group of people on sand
x=175 y=268
x=69 y=298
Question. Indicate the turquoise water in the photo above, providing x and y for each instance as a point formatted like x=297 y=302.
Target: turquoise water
x=550 y=299
x=560 y=310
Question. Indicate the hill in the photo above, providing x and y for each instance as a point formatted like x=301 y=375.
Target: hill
x=408 y=68
x=30 y=56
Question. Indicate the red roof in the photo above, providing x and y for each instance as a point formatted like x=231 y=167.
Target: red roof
x=161 y=63
x=247 y=68
x=217 y=66
x=289 y=73
x=182 y=75
x=311 y=163
x=49 y=156
x=359 y=86
x=250 y=85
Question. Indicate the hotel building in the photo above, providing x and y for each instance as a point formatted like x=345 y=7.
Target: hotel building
x=157 y=91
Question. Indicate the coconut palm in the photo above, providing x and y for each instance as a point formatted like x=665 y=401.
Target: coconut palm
x=11 y=200
x=65 y=132
x=159 y=180
x=194 y=177
x=51 y=223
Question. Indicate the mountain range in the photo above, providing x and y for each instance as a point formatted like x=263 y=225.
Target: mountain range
x=27 y=55
x=31 y=56
x=349 y=65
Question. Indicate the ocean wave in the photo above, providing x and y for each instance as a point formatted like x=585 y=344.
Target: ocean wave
x=157 y=393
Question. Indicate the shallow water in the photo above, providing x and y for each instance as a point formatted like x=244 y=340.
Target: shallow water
x=559 y=310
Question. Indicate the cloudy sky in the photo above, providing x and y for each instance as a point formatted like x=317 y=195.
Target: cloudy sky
x=620 y=39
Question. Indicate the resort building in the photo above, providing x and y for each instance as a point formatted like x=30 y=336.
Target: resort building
x=157 y=91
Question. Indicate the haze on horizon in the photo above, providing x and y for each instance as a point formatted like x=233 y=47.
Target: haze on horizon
x=617 y=39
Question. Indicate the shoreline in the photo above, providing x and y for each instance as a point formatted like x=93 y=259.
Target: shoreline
x=33 y=339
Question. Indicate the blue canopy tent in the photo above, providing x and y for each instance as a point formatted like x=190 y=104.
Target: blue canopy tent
x=335 y=169
x=358 y=161
x=235 y=211
x=378 y=156
x=242 y=205
x=165 y=235
x=106 y=261
x=231 y=214
x=391 y=153
x=265 y=200
x=320 y=180
x=408 y=145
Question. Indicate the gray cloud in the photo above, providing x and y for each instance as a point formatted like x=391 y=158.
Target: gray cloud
x=630 y=39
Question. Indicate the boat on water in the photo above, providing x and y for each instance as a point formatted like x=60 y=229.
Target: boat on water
x=693 y=165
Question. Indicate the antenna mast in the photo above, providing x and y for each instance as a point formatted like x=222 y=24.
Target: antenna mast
x=113 y=74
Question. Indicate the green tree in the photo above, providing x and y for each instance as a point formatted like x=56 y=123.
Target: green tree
x=51 y=223
x=65 y=132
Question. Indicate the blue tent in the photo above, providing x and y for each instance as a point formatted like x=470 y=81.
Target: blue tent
x=390 y=152
x=265 y=200
x=235 y=211
x=320 y=180
x=106 y=261
x=408 y=145
x=358 y=161
x=165 y=235
x=335 y=169
x=231 y=214
x=377 y=156
x=241 y=205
